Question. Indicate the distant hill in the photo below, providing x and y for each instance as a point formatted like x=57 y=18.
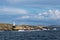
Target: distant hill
x=54 y=26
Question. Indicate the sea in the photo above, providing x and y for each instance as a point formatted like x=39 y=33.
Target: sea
x=30 y=35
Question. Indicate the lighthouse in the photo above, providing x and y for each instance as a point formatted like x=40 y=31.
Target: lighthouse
x=13 y=23
x=13 y=26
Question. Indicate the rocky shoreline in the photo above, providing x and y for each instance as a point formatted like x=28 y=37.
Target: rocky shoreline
x=23 y=27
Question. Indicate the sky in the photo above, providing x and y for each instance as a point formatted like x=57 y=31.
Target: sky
x=30 y=12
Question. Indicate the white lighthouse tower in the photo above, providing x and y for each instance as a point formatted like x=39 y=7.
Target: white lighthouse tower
x=13 y=26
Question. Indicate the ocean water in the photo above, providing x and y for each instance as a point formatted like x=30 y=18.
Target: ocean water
x=30 y=35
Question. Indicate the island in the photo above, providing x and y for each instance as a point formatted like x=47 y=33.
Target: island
x=11 y=27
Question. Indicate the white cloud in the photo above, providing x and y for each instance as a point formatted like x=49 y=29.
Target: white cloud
x=13 y=10
x=47 y=15
x=25 y=17
x=51 y=14
x=30 y=17
x=22 y=17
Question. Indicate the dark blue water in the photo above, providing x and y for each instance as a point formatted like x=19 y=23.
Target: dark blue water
x=34 y=35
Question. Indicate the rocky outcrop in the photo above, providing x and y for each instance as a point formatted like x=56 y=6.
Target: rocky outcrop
x=23 y=27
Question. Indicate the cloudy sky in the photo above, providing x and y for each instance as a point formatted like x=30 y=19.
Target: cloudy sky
x=32 y=12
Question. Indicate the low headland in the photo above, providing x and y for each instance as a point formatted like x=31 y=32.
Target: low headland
x=4 y=26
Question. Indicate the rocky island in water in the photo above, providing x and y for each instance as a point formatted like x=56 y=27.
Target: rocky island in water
x=12 y=27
